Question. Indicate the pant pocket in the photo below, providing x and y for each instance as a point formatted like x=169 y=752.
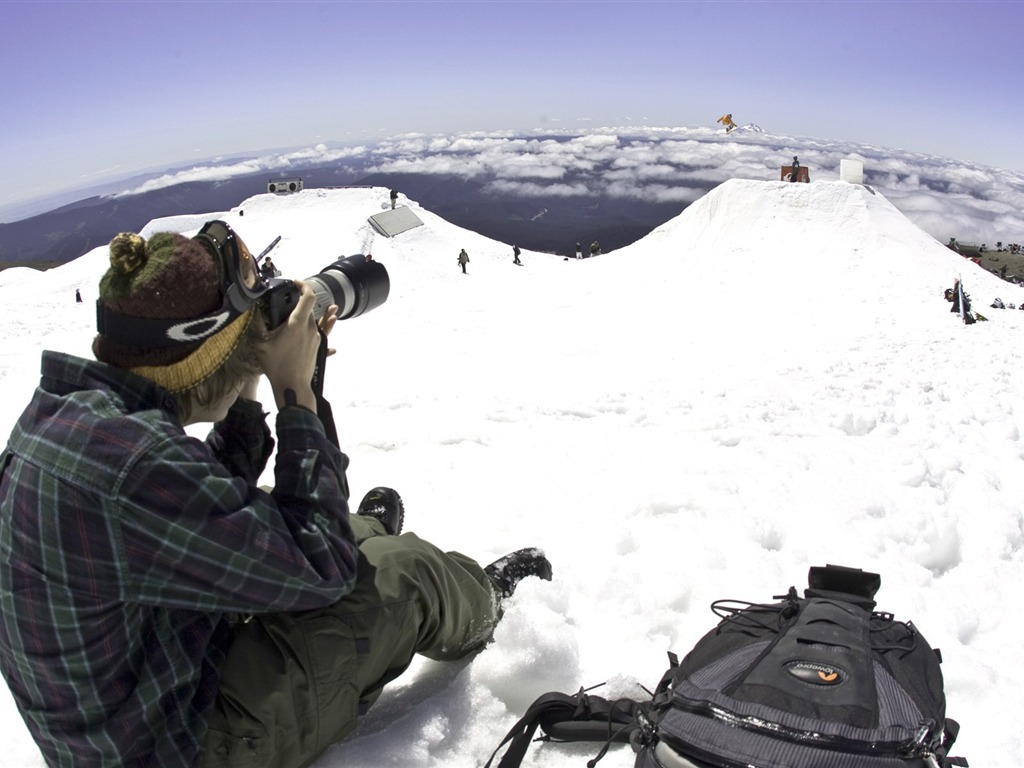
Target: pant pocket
x=334 y=655
x=286 y=692
x=226 y=750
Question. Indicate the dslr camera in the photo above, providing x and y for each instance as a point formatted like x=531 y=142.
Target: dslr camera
x=356 y=284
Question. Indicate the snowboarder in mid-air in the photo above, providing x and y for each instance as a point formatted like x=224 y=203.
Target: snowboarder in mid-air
x=726 y=120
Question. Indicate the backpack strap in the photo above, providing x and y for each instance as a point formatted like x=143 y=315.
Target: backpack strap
x=568 y=717
x=949 y=734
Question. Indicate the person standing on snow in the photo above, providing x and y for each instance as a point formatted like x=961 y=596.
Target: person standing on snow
x=463 y=260
x=160 y=608
x=515 y=255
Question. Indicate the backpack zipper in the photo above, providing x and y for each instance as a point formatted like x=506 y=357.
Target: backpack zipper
x=917 y=746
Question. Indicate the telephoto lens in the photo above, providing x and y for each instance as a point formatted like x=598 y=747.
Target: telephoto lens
x=356 y=284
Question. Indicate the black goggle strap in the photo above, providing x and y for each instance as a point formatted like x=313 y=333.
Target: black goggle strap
x=161 y=332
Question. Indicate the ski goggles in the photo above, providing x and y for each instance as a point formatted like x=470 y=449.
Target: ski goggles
x=241 y=285
x=240 y=277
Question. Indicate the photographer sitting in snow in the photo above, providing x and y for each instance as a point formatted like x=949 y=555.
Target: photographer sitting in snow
x=159 y=608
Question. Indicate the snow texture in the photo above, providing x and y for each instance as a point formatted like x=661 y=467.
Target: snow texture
x=770 y=381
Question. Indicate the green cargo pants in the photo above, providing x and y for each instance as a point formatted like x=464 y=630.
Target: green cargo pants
x=293 y=684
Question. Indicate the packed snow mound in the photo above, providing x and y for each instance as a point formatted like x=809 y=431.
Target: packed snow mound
x=776 y=242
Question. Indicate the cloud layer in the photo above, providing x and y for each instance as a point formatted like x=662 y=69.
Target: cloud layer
x=218 y=170
x=946 y=198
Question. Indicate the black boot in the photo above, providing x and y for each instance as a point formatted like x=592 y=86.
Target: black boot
x=506 y=572
x=386 y=505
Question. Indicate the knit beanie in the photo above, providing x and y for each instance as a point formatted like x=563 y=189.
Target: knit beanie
x=169 y=277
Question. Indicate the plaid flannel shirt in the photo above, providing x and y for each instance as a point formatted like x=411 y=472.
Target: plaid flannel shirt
x=125 y=545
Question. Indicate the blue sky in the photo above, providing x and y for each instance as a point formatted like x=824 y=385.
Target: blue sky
x=92 y=89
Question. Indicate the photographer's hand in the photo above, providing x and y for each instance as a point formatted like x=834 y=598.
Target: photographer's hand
x=327 y=324
x=288 y=359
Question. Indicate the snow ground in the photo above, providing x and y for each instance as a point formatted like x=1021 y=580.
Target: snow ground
x=770 y=381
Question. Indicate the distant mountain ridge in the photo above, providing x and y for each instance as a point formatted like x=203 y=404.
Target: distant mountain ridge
x=543 y=192
x=65 y=233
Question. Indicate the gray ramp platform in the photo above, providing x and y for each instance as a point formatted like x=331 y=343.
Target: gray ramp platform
x=391 y=223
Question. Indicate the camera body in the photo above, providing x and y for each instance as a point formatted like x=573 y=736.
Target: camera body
x=355 y=283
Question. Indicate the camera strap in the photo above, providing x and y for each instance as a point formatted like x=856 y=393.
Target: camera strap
x=323 y=408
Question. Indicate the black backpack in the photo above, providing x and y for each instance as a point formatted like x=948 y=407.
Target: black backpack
x=819 y=681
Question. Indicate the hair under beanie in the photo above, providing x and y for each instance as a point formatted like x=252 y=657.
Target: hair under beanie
x=169 y=277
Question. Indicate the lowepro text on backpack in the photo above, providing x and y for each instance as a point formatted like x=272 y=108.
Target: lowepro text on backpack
x=819 y=681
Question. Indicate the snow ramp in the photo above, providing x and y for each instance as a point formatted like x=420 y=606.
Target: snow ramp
x=828 y=241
